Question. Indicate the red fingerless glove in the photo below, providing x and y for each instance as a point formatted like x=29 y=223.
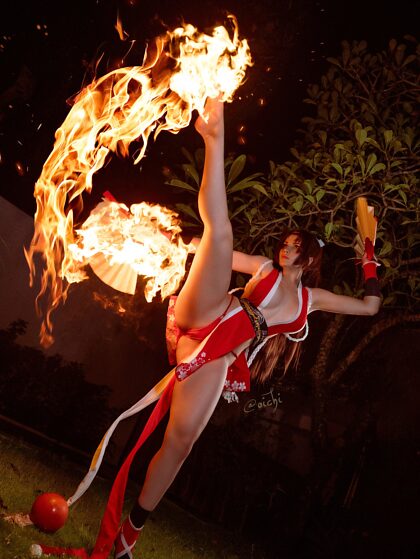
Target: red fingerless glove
x=370 y=272
x=369 y=268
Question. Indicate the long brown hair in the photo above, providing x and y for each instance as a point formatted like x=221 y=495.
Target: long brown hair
x=279 y=347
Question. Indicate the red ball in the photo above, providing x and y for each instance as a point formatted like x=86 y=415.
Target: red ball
x=49 y=512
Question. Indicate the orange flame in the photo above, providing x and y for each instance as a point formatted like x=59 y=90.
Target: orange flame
x=146 y=238
x=181 y=70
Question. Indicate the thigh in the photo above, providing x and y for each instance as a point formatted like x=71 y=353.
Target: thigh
x=195 y=398
x=204 y=296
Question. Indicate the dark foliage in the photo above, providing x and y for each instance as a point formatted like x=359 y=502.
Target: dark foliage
x=49 y=394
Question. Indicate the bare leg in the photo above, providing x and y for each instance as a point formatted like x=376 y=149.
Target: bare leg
x=204 y=294
x=193 y=403
x=202 y=298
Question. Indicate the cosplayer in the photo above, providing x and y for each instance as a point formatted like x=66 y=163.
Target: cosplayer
x=219 y=341
x=216 y=336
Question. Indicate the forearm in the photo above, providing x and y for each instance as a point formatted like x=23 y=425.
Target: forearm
x=323 y=300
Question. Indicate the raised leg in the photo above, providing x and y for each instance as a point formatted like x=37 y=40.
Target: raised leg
x=203 y=297
x=204 y=294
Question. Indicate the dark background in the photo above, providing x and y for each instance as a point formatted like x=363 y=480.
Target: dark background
x=49 y=50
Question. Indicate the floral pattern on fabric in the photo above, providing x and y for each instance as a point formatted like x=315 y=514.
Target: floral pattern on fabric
x=184 y=370
x=230 y=396
x=231 y=388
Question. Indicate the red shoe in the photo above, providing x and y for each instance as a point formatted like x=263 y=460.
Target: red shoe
x=126 y=540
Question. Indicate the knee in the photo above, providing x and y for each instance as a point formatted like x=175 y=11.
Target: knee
x=222 y=235
x=181 y=440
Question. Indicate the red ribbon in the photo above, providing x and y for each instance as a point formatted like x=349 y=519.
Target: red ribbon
x=111 y=519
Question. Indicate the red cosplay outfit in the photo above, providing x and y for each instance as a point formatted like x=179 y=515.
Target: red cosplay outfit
x=222 y=336
x=232 y=329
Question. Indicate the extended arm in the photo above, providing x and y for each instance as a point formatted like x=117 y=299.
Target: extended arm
x=241 y=262
x=324 y=300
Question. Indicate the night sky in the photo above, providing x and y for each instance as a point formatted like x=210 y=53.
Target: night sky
x=49 y=50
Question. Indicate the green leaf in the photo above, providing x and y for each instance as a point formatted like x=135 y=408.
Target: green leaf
x=182 y=184
x=297 y=190
x=260 y=187
x=189 y=211
x=241 y=208
x=187 y=155
x=371 y=160
x=248 y=182
x=297 y=205
x=386 y=249
x=388 y=135
x=390 y=187
x=275 y=186
x=362 y=164
x=236 y=168
x=378 y=167
x=319 y=194
x=328 y=229
x=191 y=171
x=361 y=136
x=347 y=289
x=338 y=168
x=250 y=214
x=309 y=183
x=403 y=195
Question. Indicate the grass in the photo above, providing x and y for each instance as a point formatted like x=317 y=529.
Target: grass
x=27 y=470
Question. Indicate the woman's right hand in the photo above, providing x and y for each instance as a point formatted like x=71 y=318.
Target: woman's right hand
x=211 y=125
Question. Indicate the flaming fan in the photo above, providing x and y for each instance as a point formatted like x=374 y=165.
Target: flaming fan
x=121 y=244
x=126 y=105
x=366 y=224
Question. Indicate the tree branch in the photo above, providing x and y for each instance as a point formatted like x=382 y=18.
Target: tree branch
x=410 y=261
x=325 y=348
x=377 y=329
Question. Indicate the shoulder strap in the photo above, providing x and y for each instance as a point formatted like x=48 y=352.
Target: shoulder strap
x=261 y=268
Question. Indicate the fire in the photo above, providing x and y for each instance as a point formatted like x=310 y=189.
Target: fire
x=179 y=72
x=143 y=240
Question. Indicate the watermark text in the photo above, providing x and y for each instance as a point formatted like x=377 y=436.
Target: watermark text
x=269 y=399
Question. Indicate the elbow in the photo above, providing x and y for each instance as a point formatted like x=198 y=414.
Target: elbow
x=372 y=312
x=373 y=307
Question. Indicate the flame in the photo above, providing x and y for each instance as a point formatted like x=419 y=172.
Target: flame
x=119 y=28
x=146 y=237
x=180 y=71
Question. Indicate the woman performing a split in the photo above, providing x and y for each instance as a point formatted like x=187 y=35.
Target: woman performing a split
x=219 y=336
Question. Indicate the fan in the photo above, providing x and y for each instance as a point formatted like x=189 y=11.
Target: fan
x=121 y=277
x=366 y=225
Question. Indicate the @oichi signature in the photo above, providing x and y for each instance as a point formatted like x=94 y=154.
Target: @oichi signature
x=266 y=400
